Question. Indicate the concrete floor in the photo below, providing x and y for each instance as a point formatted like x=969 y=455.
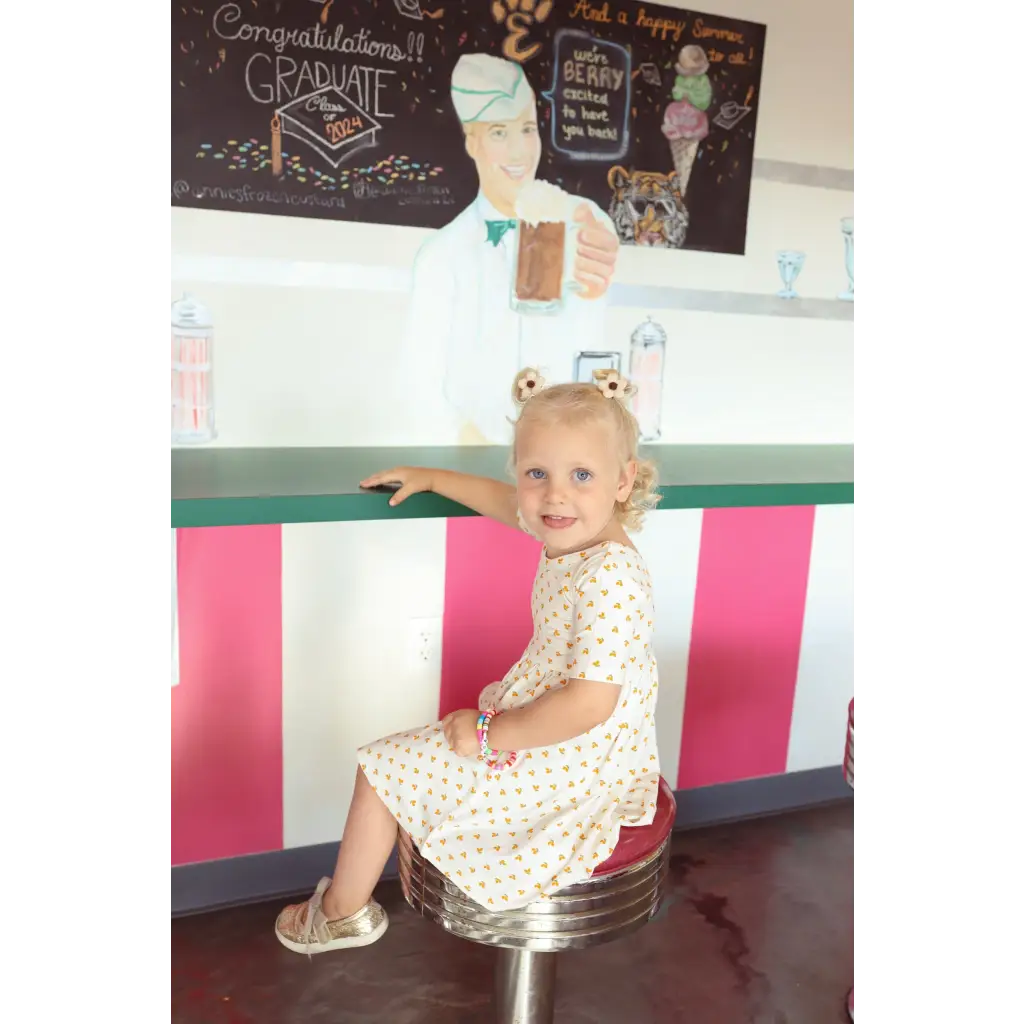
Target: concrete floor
x=757 y=929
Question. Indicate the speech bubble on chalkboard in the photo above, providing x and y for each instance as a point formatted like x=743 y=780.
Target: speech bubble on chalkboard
x=590 y=97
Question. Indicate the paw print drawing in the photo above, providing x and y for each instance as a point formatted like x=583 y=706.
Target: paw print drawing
x=518 y=16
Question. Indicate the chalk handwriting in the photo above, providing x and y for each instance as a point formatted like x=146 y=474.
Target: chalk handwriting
x=248 y=194
x=587 y=12
x=589 y=96
x=338 y=131
x=702 y=31
x=281 y=78
x=660 y=28
x=229 y=23
x=408 y=193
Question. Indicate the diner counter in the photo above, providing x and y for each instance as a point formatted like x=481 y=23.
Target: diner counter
x=245 y=486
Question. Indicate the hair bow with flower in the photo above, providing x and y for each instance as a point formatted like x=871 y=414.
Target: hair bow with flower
x=614 y=385
x=528 y=383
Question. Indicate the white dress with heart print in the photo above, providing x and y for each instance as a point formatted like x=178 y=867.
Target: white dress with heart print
x=507 y=838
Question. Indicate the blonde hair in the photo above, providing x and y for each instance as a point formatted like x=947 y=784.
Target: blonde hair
x=582 y=401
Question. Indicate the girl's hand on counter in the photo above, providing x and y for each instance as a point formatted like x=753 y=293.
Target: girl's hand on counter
x=411 y=480
x=483 y=495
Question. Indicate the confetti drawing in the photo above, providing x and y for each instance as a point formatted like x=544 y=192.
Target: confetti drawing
x=342 y=109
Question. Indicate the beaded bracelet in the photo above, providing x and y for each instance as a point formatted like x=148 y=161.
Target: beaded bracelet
x=482 y=725
x=492 y=758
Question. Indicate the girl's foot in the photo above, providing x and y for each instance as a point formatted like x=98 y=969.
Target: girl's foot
x=304 y=927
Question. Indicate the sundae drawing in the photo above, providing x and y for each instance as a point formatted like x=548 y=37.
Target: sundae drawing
x=686 y=124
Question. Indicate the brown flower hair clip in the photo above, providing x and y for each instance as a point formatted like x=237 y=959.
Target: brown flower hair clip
x=528 y=383
x=613 y=385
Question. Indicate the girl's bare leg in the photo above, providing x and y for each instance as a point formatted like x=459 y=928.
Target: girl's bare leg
x=370 y=834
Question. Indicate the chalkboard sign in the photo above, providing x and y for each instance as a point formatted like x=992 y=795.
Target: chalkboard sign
x=342 y=109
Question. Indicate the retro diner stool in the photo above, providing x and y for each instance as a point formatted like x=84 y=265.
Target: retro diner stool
x=622 y=895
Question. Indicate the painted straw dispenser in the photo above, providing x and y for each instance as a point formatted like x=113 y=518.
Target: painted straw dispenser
x=192 y=418
x=647 y=372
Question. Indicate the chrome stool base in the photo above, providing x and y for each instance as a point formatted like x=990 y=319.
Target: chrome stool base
x=589 y=913
x=524 y=987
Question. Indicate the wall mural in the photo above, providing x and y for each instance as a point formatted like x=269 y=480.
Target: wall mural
x=341 y=109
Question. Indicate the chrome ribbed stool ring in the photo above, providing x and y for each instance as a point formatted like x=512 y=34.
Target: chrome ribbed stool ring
x=605 y=907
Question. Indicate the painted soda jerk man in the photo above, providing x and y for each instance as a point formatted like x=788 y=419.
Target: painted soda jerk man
x=464 y=342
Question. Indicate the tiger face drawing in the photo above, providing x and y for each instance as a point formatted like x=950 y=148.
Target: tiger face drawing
x=647 y=208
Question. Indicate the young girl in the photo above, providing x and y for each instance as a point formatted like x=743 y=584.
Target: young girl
x=526 y=793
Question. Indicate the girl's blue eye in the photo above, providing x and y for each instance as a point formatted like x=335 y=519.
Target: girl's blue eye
x=582 y=475
x=535 y=474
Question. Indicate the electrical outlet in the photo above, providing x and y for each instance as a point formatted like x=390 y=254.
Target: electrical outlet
x=425 y=642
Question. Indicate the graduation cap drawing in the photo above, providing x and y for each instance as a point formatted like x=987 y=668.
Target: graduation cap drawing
x=329 y=121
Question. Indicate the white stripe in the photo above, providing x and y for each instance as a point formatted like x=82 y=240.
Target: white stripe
x=670 y=544
x=267 y=272
x=824 y=681
x=349 y=593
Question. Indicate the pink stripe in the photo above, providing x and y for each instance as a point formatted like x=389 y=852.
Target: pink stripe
x=489 y=573
x=745 y=644
x=226 y=770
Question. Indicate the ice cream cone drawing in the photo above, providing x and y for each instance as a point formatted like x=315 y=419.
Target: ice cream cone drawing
x=684 y=127
x=686 y=124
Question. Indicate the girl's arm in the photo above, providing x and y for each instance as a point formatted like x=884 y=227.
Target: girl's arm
x=559 y=715
x=491 y=498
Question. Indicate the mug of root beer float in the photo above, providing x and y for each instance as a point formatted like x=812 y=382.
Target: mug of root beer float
x=545 y=249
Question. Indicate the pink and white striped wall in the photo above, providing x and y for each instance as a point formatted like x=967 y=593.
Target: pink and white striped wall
x=294 y=650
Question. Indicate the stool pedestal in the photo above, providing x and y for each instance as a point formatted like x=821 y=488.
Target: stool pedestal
x=524 y=987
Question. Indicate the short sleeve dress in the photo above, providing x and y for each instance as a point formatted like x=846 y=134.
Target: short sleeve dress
x=508 y=838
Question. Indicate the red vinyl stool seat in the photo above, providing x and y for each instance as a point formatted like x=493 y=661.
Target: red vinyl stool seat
x=637 y=844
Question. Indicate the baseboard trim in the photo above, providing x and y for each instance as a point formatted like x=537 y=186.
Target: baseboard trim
x=213 y=885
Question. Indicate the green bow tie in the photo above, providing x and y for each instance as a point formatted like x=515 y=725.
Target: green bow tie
x=497 y=228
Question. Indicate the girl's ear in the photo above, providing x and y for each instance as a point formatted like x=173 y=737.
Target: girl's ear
x=626 y=481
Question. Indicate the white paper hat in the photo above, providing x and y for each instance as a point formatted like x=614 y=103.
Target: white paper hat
x=486 y=88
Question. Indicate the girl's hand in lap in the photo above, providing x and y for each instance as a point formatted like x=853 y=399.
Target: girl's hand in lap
x=460 y=731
